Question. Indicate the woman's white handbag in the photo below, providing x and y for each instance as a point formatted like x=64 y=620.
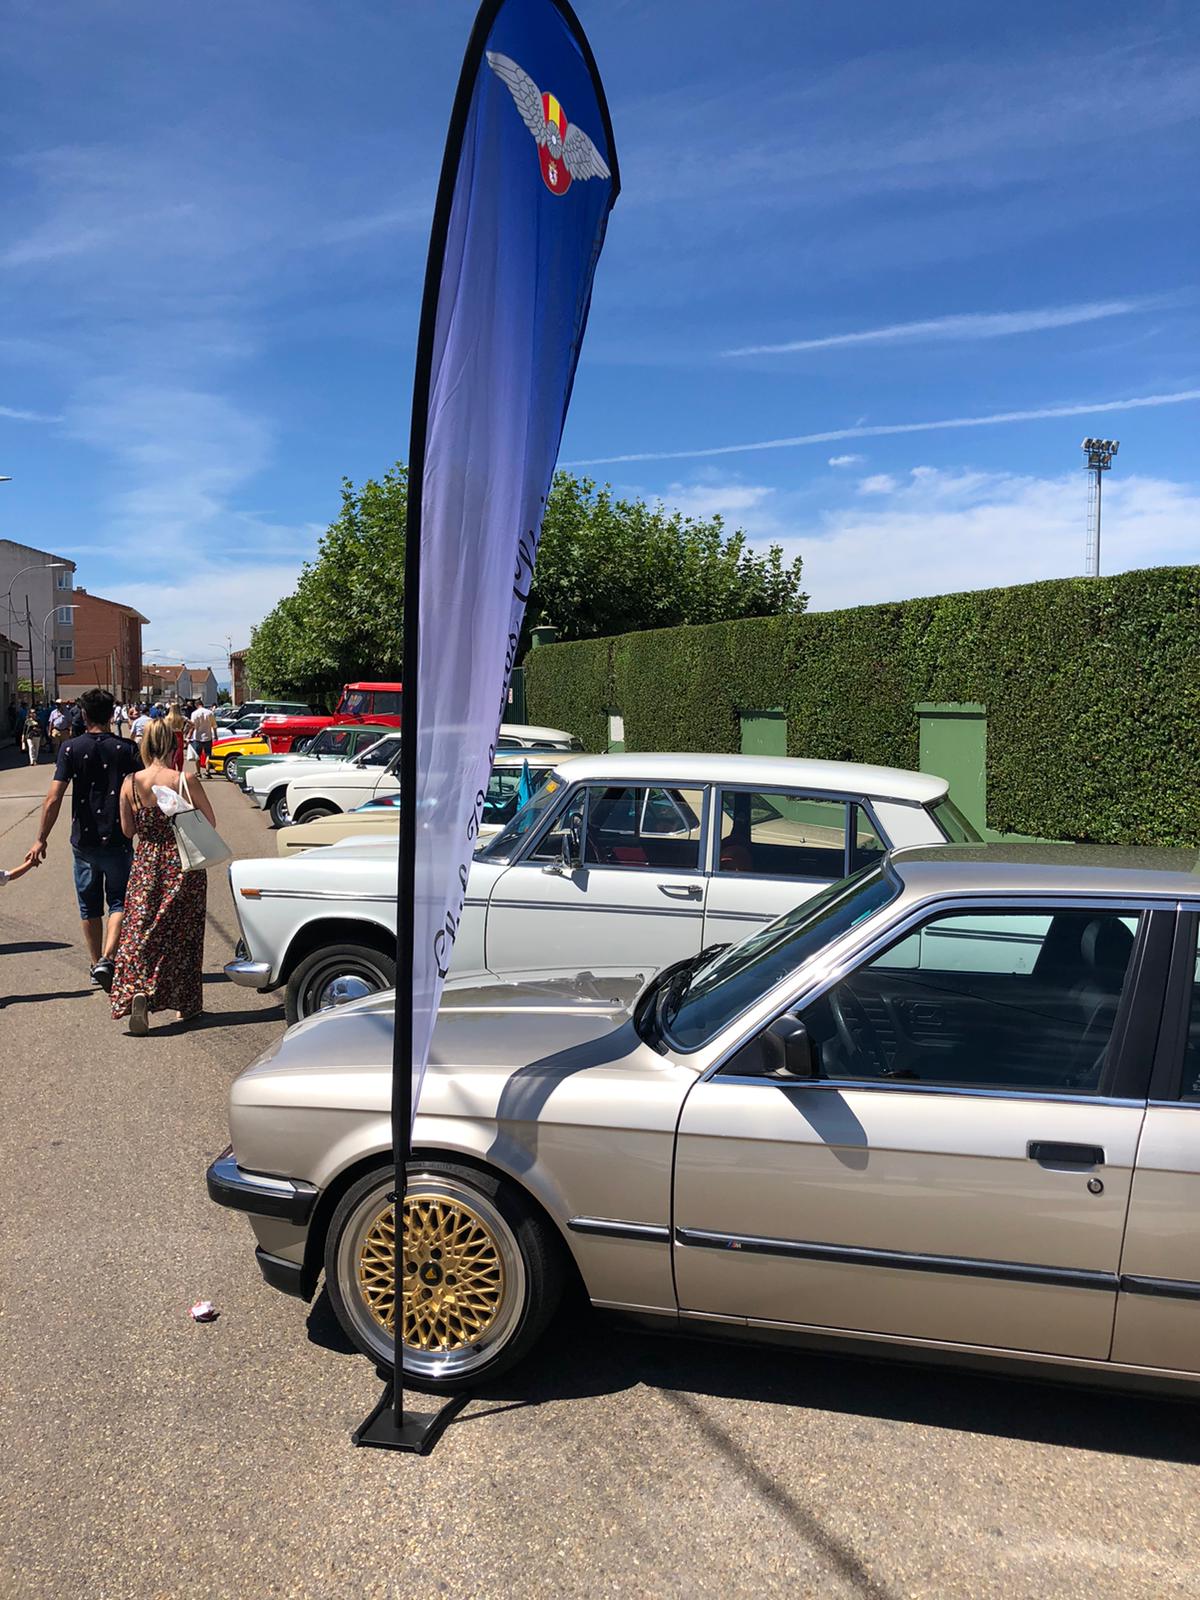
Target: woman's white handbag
x=200 y=845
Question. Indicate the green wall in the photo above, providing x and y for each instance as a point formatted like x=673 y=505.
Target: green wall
x=1092 y=690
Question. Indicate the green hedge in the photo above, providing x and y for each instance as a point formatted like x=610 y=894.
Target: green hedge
x=1092 y=689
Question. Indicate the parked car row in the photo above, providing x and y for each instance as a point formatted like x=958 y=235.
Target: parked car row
x=945 y=1108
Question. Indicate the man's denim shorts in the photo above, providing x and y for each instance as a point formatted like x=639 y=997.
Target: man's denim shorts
x=99 y=875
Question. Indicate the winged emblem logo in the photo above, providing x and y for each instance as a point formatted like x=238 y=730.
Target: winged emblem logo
x=564 y=151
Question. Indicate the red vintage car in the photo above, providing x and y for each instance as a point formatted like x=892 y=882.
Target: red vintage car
x=360 y=702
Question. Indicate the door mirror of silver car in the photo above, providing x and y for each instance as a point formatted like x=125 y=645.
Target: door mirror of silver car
x=787 y=1050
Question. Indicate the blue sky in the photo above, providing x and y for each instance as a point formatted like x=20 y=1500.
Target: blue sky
x=836 y=221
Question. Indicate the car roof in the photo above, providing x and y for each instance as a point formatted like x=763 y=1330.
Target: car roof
x=1051 y=868
x=768 y=772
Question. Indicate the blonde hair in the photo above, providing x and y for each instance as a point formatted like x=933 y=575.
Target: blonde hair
x=174 y=721
x=158 y=743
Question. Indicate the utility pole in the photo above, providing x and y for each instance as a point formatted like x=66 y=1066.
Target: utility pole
x=29 y=625
x=1100 y=453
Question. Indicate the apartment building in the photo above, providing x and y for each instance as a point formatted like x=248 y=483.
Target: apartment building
x=36 y=595
x=107 y=648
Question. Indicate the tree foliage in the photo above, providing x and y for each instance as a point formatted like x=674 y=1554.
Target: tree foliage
x=605 y=566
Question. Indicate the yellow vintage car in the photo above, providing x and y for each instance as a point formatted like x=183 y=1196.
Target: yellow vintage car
x=236 y=742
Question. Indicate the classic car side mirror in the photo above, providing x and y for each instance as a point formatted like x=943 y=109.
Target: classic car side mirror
x=787 y=1049
x=570 y=850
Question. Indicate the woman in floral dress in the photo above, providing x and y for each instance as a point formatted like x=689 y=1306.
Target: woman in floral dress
x=161 y=955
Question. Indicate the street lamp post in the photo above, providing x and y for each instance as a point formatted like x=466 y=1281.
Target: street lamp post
x=38 y=566
x=1100 y=453
x=46 y=650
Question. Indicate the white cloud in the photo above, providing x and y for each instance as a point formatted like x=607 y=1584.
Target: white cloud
x=729 y=500
x=945 y=531
x=15 y=414
x=877 y=483
x=194 y=614
x=846 y=461
x=969 y=325
x=878 y=430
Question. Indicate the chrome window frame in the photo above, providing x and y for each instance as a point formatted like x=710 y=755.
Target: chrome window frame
x=838 y=796
x=845 y=957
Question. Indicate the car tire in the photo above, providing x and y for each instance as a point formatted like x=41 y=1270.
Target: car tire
x=315 y=809
x=278 y=807
x=231 y=768
x=482 y=1224
x=309 y=987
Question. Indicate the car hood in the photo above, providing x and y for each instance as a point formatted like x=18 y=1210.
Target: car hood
x=484 y=1025
x=278 y=772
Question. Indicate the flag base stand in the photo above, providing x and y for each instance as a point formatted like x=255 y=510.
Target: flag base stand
x=418 y=1432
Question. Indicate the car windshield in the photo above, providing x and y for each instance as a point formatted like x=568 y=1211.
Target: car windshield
x=733 y=981
x=952 y=822
x=508 y=841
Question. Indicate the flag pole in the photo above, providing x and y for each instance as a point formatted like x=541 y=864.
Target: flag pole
x=390 y=1426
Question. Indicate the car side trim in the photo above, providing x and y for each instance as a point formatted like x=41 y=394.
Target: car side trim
x=1161 y=1288
x=606 y=911
x=903 y=1260
x=611 y=1228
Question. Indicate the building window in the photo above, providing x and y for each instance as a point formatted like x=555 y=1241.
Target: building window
x=62 y=580
x=66 y=652
x=63 y=616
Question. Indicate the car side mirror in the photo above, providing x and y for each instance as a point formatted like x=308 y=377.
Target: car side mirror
x=787 y=1050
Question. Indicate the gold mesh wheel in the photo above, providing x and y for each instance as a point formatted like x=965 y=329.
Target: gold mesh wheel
x=454 y=1273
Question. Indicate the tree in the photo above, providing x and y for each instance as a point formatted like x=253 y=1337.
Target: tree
x=604 y=566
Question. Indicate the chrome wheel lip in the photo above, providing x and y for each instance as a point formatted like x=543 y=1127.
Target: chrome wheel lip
x=426 y=1364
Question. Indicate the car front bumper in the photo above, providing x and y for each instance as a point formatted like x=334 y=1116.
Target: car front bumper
x=289 y=1199
x=279 y=1210
x=249 y=974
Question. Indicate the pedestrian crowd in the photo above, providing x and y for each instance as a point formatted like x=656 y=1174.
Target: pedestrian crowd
x=42 y=728
x=143 y=914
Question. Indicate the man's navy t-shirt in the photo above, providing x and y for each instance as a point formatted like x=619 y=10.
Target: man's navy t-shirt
x=96 y=765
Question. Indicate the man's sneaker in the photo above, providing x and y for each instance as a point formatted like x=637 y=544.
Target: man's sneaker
x=94 y=973
x=139 y=1017
x=102 y=975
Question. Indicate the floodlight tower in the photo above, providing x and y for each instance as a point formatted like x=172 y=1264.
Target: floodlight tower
x=1100 y=453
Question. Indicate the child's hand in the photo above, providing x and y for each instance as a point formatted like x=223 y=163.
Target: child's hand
x=32 y=859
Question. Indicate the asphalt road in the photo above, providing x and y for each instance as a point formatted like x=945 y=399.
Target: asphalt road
x=146 y=1456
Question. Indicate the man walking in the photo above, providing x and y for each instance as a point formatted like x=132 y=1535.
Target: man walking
x=204 y=731
x=95 y=765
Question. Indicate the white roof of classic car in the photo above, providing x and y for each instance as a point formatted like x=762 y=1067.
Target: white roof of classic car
x=783 y=772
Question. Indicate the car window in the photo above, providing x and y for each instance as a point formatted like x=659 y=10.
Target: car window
x=380 y=753
x=330 y=742
x=353 y=703
x=775 y=834
x=386 y=703
x=363 y=740
x=953 y=826
x=867 y=843
x=1005 y=999
x=635 y=825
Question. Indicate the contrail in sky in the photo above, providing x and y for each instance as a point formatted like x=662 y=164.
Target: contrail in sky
x=878 y=430
x=967 y=325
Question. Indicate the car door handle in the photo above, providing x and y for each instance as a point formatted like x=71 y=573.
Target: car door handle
x=1052 y=1154
x=682 y=891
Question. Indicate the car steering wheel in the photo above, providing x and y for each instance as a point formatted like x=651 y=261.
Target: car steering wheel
x=842 y=999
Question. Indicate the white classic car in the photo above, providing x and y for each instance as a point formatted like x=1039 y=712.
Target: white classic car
x=379 y=818
x=376 y=773
x=267 y=785
x=617 y=860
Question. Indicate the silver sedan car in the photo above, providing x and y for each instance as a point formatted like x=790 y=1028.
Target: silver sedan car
x=948 y=1109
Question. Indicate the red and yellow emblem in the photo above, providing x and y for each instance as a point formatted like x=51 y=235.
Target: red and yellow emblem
x=564 y=152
